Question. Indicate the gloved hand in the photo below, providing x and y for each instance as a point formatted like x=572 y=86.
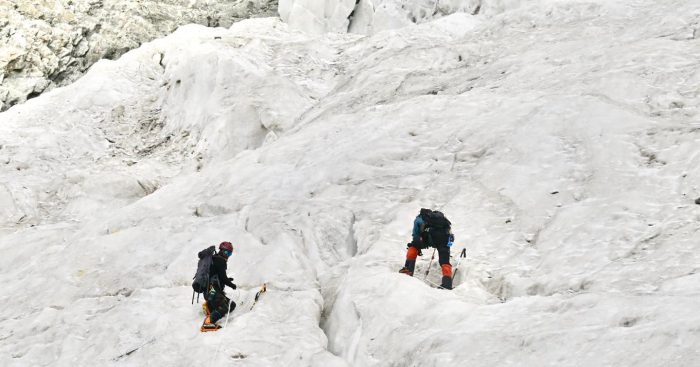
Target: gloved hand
x=233 y=287
x=451 y=240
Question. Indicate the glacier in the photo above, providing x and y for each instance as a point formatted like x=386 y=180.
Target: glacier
x=561 y=138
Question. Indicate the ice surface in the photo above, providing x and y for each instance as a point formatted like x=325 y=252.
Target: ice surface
x=560 y=138
x=372 y=16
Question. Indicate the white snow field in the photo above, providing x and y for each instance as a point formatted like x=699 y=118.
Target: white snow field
x=561 y=138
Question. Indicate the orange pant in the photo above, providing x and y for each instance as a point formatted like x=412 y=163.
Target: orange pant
x=443 y=258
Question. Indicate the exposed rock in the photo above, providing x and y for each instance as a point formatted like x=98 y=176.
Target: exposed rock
x=45 y=43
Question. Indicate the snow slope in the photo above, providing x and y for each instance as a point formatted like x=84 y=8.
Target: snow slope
x=561 y=139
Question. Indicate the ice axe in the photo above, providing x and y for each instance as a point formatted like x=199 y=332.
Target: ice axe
x=262 y=290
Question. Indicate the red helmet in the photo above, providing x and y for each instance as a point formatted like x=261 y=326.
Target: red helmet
x=226 y=246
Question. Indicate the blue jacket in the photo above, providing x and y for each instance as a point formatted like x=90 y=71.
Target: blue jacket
x=417 y=224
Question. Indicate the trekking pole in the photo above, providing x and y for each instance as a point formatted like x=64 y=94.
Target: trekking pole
x=462 y=255
x=193 y=296
x=431 y=263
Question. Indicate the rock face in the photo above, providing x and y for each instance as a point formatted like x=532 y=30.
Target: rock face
x=51 y=43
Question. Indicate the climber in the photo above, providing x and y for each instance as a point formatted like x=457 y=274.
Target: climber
x=431 y=229
x=218 y=304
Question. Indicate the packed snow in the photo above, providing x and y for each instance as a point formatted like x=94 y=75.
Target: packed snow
x=561 y=138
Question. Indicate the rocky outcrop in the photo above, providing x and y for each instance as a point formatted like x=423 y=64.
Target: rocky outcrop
x=45 y=43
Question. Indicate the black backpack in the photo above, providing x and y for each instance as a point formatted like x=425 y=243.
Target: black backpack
x=437 y=229
x=437 y=220
x=201 y=277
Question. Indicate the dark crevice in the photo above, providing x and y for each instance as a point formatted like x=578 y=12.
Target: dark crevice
x=115 y=53
x=352 y=240
x=629 y=321
x=352 y=15
x=330 y=287
x=33 y=95
x=476 y=10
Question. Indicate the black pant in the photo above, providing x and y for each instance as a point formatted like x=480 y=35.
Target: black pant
x=443 y=255
x=218 y=304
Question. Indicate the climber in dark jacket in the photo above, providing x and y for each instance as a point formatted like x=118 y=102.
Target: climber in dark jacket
x=424 y=236
x=217 y=302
